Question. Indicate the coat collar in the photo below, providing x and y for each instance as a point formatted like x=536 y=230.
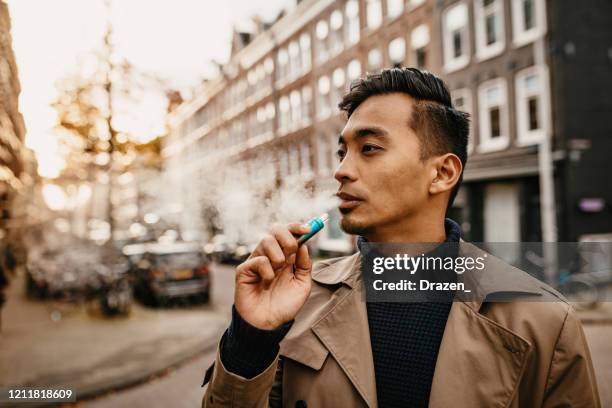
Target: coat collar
x=497 y=278
x=473 y=347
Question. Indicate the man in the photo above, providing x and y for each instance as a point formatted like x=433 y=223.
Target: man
x=304 y=337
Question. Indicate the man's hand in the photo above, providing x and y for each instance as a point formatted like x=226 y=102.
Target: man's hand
x=273 y=284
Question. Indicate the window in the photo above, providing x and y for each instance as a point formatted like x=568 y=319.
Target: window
x=322 y=31
x=261 y=120
x=455 y=37
x=323 y=164
x=294 y=159
x=493 y=114
x=269 y=66
x=296 y=106
x=395 y=7
x=353 y=70
x=528 y=20
x=531 y=105
x=352 y=22
x=306 y=98
x=397 y=52
x=270 y=114
x=335 y=23
x=415 y=3
x=305 y=50
x=323 y=103
x=462 y=101
x=294 y=59
x=305 y=158
x=374 y=60
x=338 y=82
x=373 y=14
x=283 y=60
x=489 y=19
x=285 y=111
x=419 y=38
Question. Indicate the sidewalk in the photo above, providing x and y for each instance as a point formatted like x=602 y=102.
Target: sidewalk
x=50 y=343
x=602 y=314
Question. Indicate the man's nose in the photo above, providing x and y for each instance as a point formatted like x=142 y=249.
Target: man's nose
x=346 y=170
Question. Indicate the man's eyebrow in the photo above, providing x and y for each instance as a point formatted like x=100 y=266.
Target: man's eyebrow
x=374 y=131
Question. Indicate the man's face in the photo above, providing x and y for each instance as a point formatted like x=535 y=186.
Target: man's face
x=382 y=179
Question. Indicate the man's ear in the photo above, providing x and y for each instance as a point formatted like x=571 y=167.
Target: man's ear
x=447 y=171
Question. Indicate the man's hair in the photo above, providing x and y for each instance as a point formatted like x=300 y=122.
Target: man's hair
x=438 y=125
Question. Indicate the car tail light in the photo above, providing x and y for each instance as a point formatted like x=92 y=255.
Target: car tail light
x=202 y=271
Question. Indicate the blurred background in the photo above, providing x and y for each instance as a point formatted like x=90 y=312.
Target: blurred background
x=145 y=146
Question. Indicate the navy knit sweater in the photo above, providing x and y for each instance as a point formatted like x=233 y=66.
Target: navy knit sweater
x=405 y=338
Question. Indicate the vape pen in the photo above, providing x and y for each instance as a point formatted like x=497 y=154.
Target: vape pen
x=316 y=225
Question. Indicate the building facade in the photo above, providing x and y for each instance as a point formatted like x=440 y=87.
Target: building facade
x=272 y=113
x=536 y=104
x=12 y=148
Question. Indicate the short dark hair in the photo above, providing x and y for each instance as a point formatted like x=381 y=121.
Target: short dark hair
x=439 y=126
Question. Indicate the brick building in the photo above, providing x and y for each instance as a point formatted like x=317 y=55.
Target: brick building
x=532 y=74
x=510 y=63
x=12 y=133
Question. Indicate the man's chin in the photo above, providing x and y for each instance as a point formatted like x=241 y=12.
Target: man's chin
x=353 y=226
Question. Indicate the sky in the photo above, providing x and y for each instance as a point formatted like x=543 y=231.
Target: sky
x=174 y=39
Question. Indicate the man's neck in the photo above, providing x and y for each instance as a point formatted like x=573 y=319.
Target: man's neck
x=421 y=229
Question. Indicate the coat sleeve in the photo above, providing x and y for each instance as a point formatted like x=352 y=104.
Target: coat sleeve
x=226 y=389
x=571 y=381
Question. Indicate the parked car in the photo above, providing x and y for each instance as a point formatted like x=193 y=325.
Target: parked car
x=166 y=271
x=224 y=251
x=68 y=274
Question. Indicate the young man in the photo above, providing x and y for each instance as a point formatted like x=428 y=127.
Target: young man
x=304 y=337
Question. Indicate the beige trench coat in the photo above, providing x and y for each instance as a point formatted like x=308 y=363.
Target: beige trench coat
x=504 y=354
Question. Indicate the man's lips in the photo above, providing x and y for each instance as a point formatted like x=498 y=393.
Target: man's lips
x=348 y=201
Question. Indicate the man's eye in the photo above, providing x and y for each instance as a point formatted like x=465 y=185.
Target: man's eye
x=340 y=153
x=369 y=148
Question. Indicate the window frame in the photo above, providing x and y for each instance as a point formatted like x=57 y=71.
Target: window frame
x=399 y=12
x=397 y=40
x=352 y=23
x=486 y=143
x=485 y=51
x=378 y=22
x=520 y=36
x=380 y=55
x=414 y=48
x=452 y=63
x=524 y=136
x=466 y=94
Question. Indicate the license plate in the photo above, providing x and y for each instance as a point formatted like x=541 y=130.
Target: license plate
x=183 y=274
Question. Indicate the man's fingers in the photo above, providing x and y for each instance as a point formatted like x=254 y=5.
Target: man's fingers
x=280 y=245
x=286 y=240
x=270 y=248
x=297 y=229
x=303 y=263
x=260 y=266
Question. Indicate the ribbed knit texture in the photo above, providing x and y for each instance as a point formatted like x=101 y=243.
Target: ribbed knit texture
x=247 y=350
x=405 y=339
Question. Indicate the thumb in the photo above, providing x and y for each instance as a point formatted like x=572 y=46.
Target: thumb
x=303 y=263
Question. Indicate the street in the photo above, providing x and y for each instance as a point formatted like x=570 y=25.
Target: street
x=181 y=387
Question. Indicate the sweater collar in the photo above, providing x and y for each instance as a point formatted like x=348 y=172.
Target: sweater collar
x=452 y=229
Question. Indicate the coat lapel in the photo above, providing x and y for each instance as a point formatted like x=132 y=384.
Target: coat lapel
x=480 y=362
x=337 y=325
x=345 y=333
